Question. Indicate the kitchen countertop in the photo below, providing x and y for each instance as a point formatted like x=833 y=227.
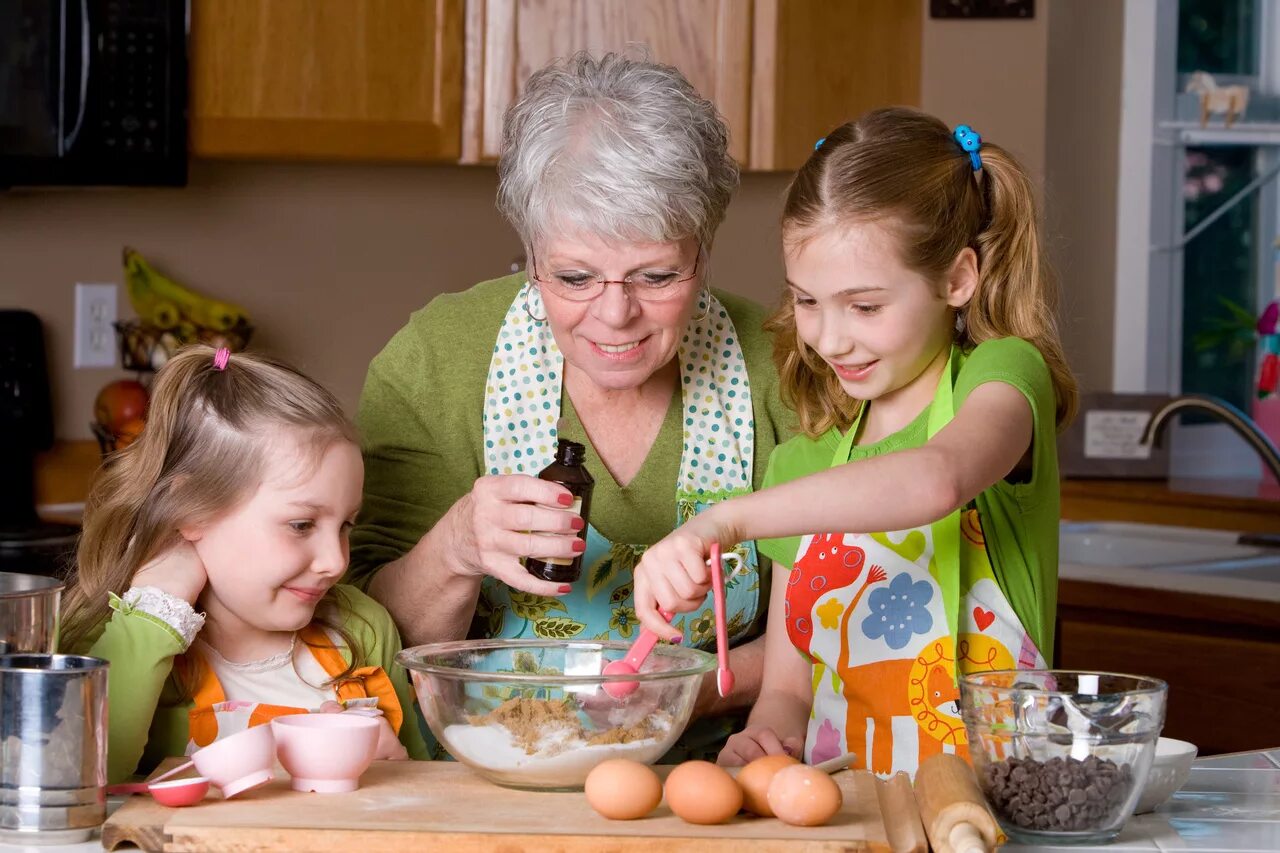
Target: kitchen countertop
x=1194 y=583
x=1231 y=804
x=63 y=475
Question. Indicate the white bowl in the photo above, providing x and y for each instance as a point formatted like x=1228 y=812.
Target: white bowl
x=1170 y=770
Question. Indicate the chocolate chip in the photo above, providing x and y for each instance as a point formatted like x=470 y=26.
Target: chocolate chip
x=1058 y=795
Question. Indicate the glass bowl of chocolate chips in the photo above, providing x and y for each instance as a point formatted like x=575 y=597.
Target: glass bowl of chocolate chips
x=1062 y=756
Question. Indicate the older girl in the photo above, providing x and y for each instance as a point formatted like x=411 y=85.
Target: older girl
x=917 y=344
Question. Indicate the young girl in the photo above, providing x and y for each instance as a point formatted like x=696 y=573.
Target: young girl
x=917 y=344
x=208 y=563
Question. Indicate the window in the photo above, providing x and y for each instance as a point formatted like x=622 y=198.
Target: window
x=1176 y=175
x=1218 y=36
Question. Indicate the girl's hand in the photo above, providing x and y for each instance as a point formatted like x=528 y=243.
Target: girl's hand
x=177 y=571
x=756 y=742
x=509 y=516
x=389 y=746
x=673 y=574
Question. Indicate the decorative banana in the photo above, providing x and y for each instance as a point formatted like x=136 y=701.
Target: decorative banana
x=163 y=303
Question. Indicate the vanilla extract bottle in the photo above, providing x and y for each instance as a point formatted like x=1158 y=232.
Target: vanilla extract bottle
x=569 y=471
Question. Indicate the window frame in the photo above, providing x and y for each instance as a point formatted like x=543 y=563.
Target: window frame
x=1150 y=218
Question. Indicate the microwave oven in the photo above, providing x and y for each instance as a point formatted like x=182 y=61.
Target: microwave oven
x=93 y=92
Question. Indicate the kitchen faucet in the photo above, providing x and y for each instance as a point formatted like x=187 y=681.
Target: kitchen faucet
x=1223 y=411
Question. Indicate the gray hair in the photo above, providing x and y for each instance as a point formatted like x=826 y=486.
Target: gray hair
x=618 y=148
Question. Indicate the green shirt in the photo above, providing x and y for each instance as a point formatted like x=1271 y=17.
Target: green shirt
x=148 y=723
x=421 y=420
x=1019 y=520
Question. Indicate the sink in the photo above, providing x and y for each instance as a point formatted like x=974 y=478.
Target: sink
x=1167 y=548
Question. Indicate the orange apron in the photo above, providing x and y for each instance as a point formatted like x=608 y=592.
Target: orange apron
x=212 y=716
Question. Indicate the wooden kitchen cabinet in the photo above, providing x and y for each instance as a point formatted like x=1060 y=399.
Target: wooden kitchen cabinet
x=1220 y=656
x=782 y=72
x=327 y=79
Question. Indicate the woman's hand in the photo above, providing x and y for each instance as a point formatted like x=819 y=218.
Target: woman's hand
x=389 y=746
x=509 y=516
x=177 y=571
x=673 y=574
x=755 y=742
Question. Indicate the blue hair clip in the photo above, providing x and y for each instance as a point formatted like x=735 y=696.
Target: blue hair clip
x=818 y=144
x=969 y=141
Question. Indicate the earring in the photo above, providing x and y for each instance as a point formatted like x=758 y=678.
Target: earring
x=541 y=319
x=960 y=323
x=706 y=305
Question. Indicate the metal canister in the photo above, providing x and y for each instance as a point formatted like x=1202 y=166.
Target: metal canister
x=53 y=747
x=28 y=612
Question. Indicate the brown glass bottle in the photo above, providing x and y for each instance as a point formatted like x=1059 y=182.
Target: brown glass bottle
x=568 y=471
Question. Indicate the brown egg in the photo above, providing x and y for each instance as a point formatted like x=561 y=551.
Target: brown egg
x=804 y=796
x=621 y=789
x=755 y=778
x=701 y=792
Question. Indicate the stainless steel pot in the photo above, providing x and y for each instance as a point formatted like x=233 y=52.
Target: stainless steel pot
x=28 y=613
x=53 y=748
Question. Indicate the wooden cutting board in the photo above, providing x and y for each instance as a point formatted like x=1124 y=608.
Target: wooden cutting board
x=409 y=805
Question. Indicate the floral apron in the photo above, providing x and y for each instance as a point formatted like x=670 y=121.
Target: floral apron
x=212 y=716
x=886 y=618
x=521 y=410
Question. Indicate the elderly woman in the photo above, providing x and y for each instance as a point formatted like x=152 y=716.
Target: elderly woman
x=615 y=174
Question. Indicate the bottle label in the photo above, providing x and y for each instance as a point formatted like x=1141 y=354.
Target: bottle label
x=576 y=509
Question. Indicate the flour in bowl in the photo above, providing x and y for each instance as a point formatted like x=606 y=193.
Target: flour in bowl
x=541 y=742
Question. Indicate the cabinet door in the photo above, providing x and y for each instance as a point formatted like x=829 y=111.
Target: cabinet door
x=332 y=79
x=817 y=64
x=507 y=40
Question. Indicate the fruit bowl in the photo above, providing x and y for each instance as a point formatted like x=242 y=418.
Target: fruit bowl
x=534 y=714
x=1062 y=756
x=144 y=347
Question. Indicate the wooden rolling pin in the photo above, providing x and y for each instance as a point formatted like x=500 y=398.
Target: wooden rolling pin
x=954 y=812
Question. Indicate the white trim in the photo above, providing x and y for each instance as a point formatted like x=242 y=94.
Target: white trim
x=1133 y=199
x=1251 y=134
x=1268 y=55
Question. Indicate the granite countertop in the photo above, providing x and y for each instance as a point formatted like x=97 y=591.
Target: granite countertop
x=1231 y=804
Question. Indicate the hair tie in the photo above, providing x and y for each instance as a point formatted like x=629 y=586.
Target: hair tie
x=220 y=358
x=818 y=144
x=971 y=142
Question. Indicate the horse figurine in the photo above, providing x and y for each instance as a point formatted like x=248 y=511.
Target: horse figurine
x=1232 y=100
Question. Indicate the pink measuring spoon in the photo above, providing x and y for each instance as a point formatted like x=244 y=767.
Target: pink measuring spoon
x=173 y=793
x=724 y=675
x=630 y=664
x=644 y=644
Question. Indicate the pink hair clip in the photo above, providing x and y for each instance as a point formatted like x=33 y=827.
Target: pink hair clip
x=221 y=357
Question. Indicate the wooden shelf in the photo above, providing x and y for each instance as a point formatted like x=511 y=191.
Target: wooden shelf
x=1244 y=505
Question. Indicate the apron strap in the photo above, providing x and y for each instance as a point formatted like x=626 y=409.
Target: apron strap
x=946 y=530
x=362 y=683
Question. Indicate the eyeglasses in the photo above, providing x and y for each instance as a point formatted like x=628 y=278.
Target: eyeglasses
x=653 y=285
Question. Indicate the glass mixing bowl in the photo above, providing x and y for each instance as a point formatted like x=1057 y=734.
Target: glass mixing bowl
x=1062 y=756
x=534 y=714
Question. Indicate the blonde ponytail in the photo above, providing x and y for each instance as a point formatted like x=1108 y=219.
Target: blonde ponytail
x=1017 y=294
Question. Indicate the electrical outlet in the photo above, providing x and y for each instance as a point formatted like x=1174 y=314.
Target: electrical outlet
x=95 y=329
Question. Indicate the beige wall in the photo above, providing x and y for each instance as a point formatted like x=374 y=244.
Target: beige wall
x=1082 y=169
x=1048 y=89
x=328 y=259
x=991 y=75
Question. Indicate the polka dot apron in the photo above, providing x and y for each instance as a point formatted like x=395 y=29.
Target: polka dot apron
x=885 y=618
x=521 y=409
